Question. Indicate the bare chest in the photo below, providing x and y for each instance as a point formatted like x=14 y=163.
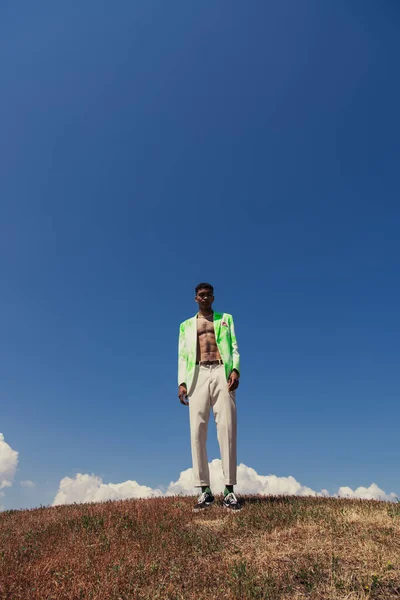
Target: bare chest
x=207 y=348
x=205 y=328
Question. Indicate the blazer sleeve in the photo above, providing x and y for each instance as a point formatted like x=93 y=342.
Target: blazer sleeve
x=235 y=348
x=182 y=355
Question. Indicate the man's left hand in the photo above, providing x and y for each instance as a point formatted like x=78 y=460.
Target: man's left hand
x=233 y=381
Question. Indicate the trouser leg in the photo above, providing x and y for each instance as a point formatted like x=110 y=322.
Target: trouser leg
x=224 y=407
x=199 y=412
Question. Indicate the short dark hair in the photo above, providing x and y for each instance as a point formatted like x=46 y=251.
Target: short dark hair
x=204 y=286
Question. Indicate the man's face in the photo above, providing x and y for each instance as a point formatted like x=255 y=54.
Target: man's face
x=204 y=298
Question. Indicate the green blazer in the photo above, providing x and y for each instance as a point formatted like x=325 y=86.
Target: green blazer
x=226 y=342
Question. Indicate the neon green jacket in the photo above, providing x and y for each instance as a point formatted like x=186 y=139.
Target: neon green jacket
x=226 y=342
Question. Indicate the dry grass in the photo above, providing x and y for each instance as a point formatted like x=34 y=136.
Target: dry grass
x=276 y=548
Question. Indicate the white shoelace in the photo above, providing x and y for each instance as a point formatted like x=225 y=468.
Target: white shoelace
x=201 y=498
x=231 y=498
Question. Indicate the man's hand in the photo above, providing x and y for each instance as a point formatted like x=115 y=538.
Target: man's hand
x=182 y=395
x=233 y=381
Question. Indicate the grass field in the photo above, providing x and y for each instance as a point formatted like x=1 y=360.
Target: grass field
x=284 y=547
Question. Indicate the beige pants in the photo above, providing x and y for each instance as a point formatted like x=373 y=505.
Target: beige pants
x=211 y=391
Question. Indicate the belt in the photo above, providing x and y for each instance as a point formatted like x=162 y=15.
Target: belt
x=209 y=362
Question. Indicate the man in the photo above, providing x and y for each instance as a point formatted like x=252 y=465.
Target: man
x=208 y=375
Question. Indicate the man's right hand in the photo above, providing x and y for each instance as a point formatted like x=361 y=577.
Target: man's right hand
x=182 y=395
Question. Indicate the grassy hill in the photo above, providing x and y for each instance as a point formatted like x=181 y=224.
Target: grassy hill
x=276 y=548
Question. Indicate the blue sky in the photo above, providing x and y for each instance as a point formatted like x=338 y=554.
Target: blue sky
x=147 y=146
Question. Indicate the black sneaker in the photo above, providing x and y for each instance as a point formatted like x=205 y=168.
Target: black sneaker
x=231 y=502
x=203 y=501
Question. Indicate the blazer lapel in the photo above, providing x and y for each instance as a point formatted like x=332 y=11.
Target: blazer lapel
x=192 y=335
x=217 y=325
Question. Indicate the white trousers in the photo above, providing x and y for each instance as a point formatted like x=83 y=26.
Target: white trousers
x=210 y=390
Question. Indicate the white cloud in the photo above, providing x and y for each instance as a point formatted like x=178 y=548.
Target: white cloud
x=90 y=488
x=248 y=482
x=373 y=492
x=8 y=463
